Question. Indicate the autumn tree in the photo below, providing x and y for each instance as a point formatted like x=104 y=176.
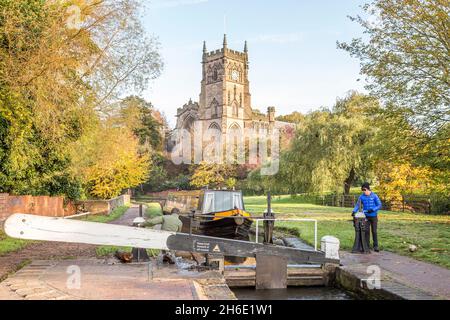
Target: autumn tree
x=294 y=117
x=213 y=175
x=108 y=161
x=62 y=63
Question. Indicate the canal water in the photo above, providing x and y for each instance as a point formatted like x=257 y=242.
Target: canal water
x=310 y=293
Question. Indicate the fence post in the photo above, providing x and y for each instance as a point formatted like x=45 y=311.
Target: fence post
x=403 y=203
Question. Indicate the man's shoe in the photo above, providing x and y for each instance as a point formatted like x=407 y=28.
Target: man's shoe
x=376 y=249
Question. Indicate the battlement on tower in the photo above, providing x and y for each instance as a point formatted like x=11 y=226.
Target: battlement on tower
x=190 y=106
x=225 y=52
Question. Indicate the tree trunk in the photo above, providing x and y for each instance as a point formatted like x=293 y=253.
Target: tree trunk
x=349 y=181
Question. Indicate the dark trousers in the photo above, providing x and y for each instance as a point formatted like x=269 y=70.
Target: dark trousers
x=373 y=223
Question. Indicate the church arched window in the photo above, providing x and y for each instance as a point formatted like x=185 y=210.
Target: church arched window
x=214 y=108
x=214 y=126
x=235 y=109
x=235 y=144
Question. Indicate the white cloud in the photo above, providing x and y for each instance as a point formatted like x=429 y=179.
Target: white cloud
x=175 y=3
x=278 y=38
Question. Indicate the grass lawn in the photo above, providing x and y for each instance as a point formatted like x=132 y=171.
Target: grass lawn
x=114 y=215
x=153 y=210
x=396 y=231
x=8 y=244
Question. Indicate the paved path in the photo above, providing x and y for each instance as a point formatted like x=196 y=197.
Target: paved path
x=56 y=250
x=127 y=218
x=425 y=277
x=106 y=279
x=13 y=261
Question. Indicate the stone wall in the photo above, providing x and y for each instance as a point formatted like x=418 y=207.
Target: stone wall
x=103 y=206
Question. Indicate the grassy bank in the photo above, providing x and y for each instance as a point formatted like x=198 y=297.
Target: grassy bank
x=8 y=244
x=396 y=230
x=114 y=215
x=153 y=210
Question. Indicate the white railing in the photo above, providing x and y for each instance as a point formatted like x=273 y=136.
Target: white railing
x=286 y=220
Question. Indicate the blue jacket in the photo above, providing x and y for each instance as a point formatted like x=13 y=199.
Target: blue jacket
x=369 y=202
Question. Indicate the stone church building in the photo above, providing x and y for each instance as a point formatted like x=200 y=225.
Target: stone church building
x=225 y=100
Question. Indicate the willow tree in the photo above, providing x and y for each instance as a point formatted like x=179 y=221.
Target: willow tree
x=332 y=147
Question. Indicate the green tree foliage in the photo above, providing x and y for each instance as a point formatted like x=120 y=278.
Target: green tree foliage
x=138 y=115
x=62 y=63
x=406 y=58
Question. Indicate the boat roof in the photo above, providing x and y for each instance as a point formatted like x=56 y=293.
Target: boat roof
x=199 y=192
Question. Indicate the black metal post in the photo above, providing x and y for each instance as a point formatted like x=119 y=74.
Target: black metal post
x=268 y=225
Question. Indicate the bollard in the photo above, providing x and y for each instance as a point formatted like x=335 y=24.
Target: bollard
x=330 y=245
x=139 y=254
x=361 y=244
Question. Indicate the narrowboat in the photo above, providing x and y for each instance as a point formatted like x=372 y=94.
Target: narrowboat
x=208 y=212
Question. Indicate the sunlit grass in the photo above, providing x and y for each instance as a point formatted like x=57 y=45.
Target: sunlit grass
x=8 y=244
x=153 y=210
x=431 y=233
x=114 y=215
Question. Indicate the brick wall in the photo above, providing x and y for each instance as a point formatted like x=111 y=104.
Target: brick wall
x=3 y=206
x=37 y=205
x=54 y=206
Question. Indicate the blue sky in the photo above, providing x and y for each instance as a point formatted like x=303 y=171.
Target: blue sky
x=294 y=62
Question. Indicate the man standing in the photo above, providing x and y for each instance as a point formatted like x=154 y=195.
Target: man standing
x=371 y=204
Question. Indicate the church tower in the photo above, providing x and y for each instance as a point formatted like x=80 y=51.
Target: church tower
x=225 y=100
x=225 y=106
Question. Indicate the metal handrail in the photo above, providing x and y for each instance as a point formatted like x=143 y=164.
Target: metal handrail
x=291 y=219
x=218 y=216
x=258 y=219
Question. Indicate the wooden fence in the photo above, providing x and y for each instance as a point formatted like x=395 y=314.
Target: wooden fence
x=419 y=204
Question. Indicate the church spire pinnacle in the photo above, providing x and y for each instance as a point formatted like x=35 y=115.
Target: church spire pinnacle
x=246 y=47
x=225 y=42
x=204 y=47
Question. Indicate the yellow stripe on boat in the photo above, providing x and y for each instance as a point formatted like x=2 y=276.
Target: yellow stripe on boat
x=231 y=213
